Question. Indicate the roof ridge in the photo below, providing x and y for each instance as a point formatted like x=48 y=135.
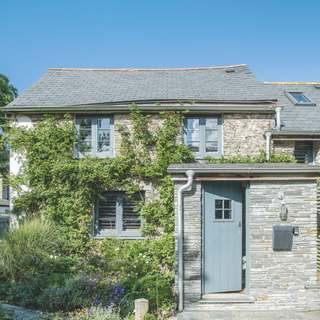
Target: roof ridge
x=299 y=83
x=133 y=70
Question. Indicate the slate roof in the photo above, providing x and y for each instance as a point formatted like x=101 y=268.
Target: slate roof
x=71 y=87
x=297 y=118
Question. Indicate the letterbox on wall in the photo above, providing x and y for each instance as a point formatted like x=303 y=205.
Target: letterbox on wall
x=282 y=238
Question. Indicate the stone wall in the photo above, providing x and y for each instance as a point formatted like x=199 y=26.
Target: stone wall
x=316 y=152
x=278 y=278
x=283 y=147
x=191 y=242
x=243 y=134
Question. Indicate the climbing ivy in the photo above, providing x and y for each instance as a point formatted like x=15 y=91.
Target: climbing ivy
x=55 y=184
x=261 y=158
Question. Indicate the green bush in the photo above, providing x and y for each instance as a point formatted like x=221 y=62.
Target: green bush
x=67 y=298
x=26 y=292
x=155 y=288
x=149 y=316
x=34 y=237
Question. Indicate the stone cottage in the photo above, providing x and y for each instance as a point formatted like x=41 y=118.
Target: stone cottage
x=245 y=233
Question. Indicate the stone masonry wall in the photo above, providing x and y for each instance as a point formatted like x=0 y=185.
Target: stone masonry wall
x=283 y=147
x=243 y=134
x=278 y=278
x=191 y=242
x=316 y=152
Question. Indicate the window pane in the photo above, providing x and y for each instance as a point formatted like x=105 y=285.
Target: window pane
x=211 y=135
x=193 y=135
x=212 y=146
x=130 y=218
x=193 y=146
x=85 y=123
x=193 y=124
x=104 y=123
x=107 y=212
x=227 y=214
x=218 y=204
x=227 y=204
x=300 y=97
x=218 y=214
x=103 y=140
x=211 y=123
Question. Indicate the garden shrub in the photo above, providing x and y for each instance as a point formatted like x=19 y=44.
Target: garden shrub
x=5 y=287
x=66 y=298
x=155 y=288
x=26 y=292
x=34 y=237
x=149 y=316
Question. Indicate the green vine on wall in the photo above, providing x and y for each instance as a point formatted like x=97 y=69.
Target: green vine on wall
x=55 y=184
x=261 y=158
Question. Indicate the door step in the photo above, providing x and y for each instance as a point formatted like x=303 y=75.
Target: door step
x=226 y=298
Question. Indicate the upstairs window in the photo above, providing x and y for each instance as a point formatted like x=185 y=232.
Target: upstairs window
x=203 y=136
x=95 y=136
x=303 y=152
x=299 y=99
x=115 y=215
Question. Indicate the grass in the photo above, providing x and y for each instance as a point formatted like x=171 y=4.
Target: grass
x=34 y=237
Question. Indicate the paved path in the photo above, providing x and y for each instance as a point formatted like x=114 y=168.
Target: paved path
x=250 y=315
x=21 y=313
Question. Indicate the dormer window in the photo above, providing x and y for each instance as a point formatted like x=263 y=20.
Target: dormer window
x=299 y=98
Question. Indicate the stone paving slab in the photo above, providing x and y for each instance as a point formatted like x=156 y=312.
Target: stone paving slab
x=250 y=315
x=22 y=313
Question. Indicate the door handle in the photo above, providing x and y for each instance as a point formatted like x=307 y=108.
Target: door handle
x=239 y=223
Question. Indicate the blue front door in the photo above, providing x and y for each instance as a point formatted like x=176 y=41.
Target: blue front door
x=222 y=267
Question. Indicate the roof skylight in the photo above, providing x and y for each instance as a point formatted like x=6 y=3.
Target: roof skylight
x=299 y=99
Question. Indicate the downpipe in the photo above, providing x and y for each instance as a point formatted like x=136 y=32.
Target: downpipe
x=190 y=174
x=268 y=141
x=278 y=110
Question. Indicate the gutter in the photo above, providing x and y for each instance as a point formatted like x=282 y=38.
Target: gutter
x=246 y=170
x=125 y=108
x=190 y=174
x=296 y=133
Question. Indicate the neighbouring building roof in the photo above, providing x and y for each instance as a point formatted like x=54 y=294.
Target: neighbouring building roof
x=297 y=117
x=73 y=87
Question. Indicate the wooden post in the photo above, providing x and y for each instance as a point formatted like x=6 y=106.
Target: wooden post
x=141 y=306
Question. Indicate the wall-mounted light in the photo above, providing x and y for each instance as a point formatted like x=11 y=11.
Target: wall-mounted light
x=283 y=210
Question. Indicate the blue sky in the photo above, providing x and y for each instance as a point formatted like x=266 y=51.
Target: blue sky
x=279 y=40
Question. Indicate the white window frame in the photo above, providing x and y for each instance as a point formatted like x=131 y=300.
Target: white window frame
x=94 y=135
x=202 y=118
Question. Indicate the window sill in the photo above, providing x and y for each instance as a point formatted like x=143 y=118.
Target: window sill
x=119 y=237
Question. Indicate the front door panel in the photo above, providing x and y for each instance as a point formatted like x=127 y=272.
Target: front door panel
x=222 y=236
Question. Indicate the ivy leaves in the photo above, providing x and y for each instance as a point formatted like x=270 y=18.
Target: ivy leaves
x=55 y=184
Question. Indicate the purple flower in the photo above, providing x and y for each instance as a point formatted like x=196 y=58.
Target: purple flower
x=107 y=305
x=109 y=283
x=45 y=267
x=32 y=257
x=21 y=265
x=89 y=313
x=110 y=295
x=91 y=303
x=25 y=258
x=36 y=262
x=122 y=300
x=59 y=254
x=94 y=288
x=35 y=285
x=86 y=288
x=75 y=269
x=97 y=295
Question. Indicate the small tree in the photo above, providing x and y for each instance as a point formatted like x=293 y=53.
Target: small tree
x=7 y=93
